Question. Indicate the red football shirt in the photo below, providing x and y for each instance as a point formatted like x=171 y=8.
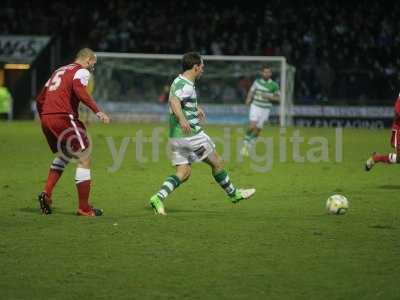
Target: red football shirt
x=63 y=92
x=396 y=121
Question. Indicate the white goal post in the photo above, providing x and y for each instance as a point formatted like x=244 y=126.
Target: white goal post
x=130 y=82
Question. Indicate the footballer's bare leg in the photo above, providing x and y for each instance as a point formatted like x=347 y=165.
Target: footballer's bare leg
x=83 y=182
x=391 y=158
x=222 y=178
x=251 y=135
x=183 y=172
x=256 y=132
x=170 y=184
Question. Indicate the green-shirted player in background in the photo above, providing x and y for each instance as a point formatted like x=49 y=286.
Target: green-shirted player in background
x=262 y=93
x=187 y=141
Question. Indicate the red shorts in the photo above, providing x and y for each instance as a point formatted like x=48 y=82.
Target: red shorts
x=395 y=139
x=65 y=134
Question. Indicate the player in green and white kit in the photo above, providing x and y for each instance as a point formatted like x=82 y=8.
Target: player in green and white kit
x=262 y=93
x=187 y=141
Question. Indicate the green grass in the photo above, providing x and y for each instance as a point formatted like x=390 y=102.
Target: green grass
x=279 y=245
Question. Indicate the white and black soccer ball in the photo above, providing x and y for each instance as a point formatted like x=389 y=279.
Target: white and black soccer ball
x=337 y=205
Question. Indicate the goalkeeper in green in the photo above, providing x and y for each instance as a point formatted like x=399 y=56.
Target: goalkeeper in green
x=262 y=93
x=188 y=142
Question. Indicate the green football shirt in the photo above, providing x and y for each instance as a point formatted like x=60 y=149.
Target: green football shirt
x=183 y=89
x=260 y=89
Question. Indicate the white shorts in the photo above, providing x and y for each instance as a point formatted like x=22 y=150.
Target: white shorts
x=259 y=115
x=187 y=150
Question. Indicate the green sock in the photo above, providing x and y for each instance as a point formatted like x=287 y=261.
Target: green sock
x=250 y=138
x=248 y=135
x=224 y=181
x=169 y=185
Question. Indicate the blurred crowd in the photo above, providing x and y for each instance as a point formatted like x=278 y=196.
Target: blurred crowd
x=344 y=52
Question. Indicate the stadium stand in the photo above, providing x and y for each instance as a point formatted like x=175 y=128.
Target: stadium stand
x=344 y=52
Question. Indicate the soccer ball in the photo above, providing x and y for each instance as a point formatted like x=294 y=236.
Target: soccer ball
x=337 y=205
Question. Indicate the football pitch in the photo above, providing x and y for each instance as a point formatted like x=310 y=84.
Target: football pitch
x=280 y=244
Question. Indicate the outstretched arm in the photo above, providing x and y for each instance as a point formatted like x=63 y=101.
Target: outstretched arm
x=79 y=84
x=176 y=108
x=276 y=97
x=250 y=93
x=397 y=106
x=40 y=98
x=201 y=113
x=249 y=97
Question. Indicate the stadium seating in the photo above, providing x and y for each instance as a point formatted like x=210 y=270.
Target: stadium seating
x=343 y=52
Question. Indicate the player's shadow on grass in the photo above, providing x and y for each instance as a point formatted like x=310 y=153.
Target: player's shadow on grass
x=382 y=227
x=194 y=211
x=31 y=210
x=191 y=211
x=36 y=211
x=389 y=187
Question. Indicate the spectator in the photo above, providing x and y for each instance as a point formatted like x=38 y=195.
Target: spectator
x=334 y=32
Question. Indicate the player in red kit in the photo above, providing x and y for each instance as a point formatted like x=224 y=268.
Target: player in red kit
x=57 y=105
x=391 y=158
